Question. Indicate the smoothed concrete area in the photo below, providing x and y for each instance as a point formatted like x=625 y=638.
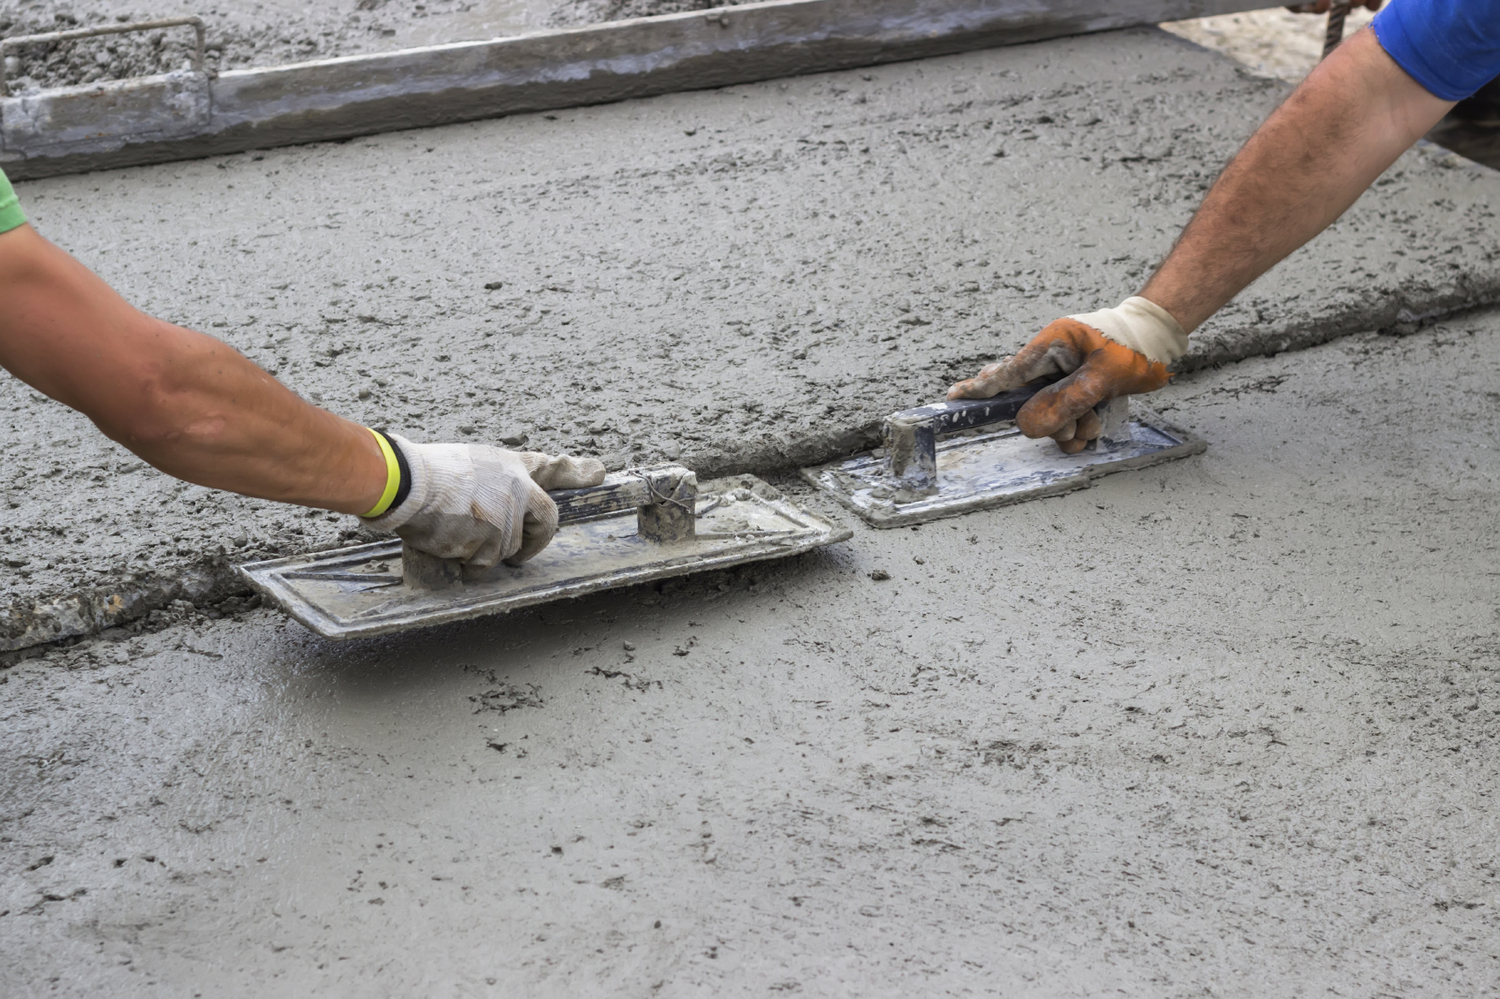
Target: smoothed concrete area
x=1226 y=727
x=747 y=279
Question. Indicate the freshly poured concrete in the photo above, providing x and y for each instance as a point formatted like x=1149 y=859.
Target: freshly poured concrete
x=747 y=279
x=251 y=32
x=276 y=32
x=1224 y=727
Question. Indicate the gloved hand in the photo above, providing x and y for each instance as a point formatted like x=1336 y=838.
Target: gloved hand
x=481 y=504
x=1105 y=354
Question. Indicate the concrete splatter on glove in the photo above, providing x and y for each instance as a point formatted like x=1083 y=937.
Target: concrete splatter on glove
x=482 y=504
x=1103 y=355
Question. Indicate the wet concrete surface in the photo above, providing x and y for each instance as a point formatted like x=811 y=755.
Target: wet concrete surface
x=1279 y=43
x=1272 y=42
x=1226 y=726
x=744 y=279
x=275 y=32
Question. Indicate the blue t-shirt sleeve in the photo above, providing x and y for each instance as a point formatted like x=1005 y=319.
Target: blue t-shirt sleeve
x=1450 y=47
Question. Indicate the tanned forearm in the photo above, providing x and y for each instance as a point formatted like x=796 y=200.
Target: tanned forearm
x=1347 y=122
x=189 y=404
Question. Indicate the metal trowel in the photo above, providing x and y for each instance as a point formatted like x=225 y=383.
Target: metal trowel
x=952 y=458
x=637 y=526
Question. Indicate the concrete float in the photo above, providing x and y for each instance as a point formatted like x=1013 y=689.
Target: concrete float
x=193 y=113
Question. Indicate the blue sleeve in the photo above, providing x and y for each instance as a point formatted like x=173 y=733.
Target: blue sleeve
x=1450 y=47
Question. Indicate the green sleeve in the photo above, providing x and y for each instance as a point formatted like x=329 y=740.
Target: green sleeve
x=11 y=214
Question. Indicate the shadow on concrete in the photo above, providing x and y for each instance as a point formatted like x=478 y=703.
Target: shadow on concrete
x=528 y=640
x=1479 y=141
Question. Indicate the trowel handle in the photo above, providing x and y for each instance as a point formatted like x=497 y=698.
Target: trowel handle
x=966 y=414
x=911 y=436
x=643 y=487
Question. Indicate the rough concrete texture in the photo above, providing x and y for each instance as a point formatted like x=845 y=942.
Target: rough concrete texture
x=569 y=12
x=1224 y=727
x=274 y=32
x=747 y=279
x=187 y=115
x=1287 y=46
x=1274 y=42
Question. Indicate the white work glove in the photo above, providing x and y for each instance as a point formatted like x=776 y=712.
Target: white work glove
x=482 y=504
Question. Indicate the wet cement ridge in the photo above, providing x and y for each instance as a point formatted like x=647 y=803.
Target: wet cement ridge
x=25 y=623
x=189 y=114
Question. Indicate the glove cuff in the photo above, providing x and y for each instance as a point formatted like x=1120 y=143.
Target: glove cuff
x=415 y=466
x=1141 y=325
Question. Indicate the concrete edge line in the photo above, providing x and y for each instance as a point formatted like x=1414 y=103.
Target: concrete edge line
x=26 y=624
x=187 y=114
x=29 y=623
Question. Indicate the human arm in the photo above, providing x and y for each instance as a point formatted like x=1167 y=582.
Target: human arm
x=1346 y=123
x=199 y=410
x=185 y=402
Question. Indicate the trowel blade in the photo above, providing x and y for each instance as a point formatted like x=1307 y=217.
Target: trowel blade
x=360 y=592
x=996 y=469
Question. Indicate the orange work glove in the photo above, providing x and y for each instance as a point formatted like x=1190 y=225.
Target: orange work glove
x=1096 y=368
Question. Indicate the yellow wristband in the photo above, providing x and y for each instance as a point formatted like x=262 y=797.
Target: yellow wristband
x=392 y=476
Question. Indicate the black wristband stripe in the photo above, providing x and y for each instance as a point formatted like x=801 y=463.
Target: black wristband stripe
x=403 y=489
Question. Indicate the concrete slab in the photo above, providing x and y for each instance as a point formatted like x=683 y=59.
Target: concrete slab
x=747 y=279
x=264 y=32
x=182 y=116
x=1226 y=727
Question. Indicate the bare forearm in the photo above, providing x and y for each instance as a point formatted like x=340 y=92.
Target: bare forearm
x=187 y=403
x=1300 y=171
x=209 y=415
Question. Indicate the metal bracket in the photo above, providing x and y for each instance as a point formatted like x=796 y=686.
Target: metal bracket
x=196 y=23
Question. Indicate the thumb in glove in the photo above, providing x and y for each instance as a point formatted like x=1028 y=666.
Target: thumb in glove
x=552 y=471
x=560 y=471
